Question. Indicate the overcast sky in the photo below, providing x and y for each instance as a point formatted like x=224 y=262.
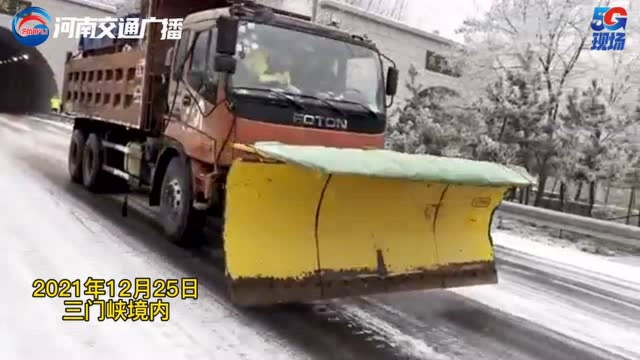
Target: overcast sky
x=444 y=16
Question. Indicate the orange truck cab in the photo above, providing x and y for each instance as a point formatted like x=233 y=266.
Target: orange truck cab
x=168 y=115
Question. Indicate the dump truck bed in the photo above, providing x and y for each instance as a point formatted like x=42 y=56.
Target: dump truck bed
x=125 y=87
x=107 y=88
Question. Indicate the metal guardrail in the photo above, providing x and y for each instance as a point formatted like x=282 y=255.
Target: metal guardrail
x=600 y=229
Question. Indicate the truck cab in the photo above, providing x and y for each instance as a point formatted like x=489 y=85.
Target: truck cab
x=243 y=75
x=169 y=115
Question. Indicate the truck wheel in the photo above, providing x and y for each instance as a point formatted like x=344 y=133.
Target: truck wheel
x=182 y=223
x=92 y=163
x=76 y=152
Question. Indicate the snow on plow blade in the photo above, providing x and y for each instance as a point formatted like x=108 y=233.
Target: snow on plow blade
x=310 y=223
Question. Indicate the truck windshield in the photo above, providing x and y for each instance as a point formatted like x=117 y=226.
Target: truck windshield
x=295 y=62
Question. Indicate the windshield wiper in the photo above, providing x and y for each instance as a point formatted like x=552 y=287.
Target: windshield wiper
x=328 y=103
x=277 y=93
x=368 y=109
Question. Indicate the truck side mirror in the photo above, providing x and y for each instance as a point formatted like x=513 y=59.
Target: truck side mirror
x=225 y=64
x=392 y=81
x=227 y=36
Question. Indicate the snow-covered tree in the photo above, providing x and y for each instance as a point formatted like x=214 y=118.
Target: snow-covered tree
x=402 y=135
x=544 y=38
x=597 y=127
x=518 y=118
x=488 y=149
x=630 y=175
x=615 y=169
x=424 y=126
x=624 y=76
x=569 y=168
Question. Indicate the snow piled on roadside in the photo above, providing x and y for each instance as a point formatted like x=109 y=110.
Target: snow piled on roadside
x=565 y=313
x=565 y=239
x=596 y=265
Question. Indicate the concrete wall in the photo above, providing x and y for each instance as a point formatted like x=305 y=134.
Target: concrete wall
x=404 y=44
x=54 y=50
x=298 y=6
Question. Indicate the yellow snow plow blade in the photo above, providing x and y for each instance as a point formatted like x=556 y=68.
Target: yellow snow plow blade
x=296 y=232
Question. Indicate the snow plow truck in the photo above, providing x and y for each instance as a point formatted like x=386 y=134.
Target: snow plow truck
x=276 y=124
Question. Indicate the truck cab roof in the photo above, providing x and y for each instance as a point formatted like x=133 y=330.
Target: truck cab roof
x=207 y=18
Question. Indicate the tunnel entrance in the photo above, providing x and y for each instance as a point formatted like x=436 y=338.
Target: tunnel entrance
x=27 y=82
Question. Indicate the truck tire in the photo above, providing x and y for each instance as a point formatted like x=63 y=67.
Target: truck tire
x=182 y=223
x=92 y=163
x=76 y=153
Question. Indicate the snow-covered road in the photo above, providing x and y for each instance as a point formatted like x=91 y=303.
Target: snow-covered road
x=551 y=303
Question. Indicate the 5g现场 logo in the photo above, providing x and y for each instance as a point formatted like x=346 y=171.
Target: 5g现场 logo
x=609 y=18
x=31 y=26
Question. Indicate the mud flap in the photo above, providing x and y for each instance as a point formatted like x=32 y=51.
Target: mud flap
x=293 y=234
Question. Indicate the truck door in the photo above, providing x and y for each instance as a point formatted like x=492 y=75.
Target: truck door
x=176 y=101
x=195 y=78
x=191 y=106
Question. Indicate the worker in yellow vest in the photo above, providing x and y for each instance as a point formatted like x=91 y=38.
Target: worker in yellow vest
x=258 y=62
x=56 y=104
